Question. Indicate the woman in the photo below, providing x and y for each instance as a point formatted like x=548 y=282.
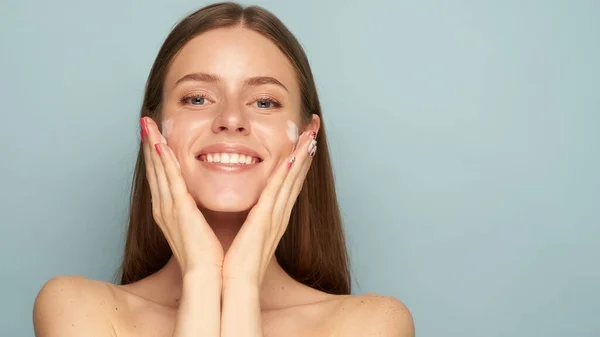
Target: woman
x=228 y=176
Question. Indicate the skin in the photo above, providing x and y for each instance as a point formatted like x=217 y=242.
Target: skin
x=223 y=227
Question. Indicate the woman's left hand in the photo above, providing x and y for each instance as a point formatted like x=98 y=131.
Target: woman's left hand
x=253 y=247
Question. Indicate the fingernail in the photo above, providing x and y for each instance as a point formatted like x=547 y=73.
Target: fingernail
x=311 y=146
x=144 y=126
x=292 y=160
x=157 y=147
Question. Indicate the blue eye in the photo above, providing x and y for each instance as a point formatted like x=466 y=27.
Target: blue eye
x=264 y=103
x=197 y=100
x=267 y=103
x=194 y=99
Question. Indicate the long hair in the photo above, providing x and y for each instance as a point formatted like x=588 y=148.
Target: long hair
x=313 y=249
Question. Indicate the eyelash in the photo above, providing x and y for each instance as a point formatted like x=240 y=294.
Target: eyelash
x=276 y=104
x=187 y=97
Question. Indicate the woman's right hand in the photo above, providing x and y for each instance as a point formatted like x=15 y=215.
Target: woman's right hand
x=193 y=242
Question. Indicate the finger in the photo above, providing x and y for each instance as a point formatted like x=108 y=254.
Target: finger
x=290 y=187
x=297 y=187
x=295 y=177
x=164 y=193
x=299 y=181
x=177 y=186
x=150 y=174
x=271 y=190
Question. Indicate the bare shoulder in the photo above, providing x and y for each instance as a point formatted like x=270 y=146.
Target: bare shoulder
x=73 y=306
x=374 y=315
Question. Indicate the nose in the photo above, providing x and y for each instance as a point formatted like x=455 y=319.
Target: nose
x=231 y=120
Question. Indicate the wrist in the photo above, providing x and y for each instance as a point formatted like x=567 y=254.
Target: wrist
x=203 y=274
x=240 y=286
x=241 y=279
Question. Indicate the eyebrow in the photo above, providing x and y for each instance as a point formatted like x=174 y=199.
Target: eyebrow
x=251 y=81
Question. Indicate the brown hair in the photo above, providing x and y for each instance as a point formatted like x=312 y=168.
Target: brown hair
x=313 y=249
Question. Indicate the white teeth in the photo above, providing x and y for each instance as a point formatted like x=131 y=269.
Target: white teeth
x=229 y=158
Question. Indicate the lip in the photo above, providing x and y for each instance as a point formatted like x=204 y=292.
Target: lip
x=230 y=168
x=230 y=148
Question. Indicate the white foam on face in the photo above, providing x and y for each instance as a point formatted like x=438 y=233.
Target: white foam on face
x=167 y=128
x=292 y=132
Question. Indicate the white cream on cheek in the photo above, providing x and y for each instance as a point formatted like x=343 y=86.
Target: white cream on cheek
x=292 y=132
x=167 y=128
x=279 y=138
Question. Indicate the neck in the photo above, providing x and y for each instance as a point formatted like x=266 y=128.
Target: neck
x=226 y=226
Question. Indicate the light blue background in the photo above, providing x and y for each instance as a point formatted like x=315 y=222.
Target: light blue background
x=465 y=138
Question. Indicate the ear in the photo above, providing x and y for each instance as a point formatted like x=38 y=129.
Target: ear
x=314 y=125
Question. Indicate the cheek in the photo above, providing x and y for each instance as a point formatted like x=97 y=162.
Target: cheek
x=279 y=137
x=177 y=129
x=167 y=128
x=292 y=132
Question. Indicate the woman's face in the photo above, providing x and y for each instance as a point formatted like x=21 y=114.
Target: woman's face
x=231 y=113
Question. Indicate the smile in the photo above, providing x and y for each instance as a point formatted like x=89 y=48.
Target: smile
x=229 y=158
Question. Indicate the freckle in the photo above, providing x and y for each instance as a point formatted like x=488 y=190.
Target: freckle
x=72 y=324
x=117 y=309
x=61 y=290
x=134 y=326
x=282 y=288
x=71 y=301
x=362 y=301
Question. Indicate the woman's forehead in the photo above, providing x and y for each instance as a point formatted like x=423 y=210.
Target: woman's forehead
x=232 y=55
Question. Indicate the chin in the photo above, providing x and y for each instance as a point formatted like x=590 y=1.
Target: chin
x=226 y=188
x=229 y=200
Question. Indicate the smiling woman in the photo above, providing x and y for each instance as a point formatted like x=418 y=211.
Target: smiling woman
x=234 y=226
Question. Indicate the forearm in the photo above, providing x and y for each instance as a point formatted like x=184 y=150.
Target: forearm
x=199 y=313
x=241 y=310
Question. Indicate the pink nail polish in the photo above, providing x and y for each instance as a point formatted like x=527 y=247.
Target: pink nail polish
x=157 y=147
x=144 y=126
x=292 y=160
